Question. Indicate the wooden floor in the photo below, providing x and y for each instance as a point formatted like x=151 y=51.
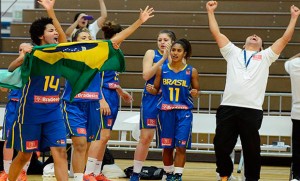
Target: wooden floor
x=198 y=171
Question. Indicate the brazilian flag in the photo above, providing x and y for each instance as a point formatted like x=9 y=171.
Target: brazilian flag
x=78 y=62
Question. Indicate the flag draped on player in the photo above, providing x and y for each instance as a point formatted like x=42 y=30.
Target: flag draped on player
x=78 y=62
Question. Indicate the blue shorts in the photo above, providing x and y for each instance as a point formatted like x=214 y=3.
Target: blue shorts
x=176 y=128
x=82 y=119
x=149 y=111
x=37 y=137
x=112 y=99
x=11 y=112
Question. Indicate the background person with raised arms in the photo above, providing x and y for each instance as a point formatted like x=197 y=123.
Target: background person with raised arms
x=240 y=112
x=81 y=20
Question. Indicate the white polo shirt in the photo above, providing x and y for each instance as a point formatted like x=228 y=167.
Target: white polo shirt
x=293 y=68
x=246 y=85
x=93 y=28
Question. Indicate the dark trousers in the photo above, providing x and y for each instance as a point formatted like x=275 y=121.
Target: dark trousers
x=233 y=122
x=296 y=148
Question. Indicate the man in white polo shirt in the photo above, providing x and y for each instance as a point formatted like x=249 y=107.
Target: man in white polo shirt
x=240 y=112
x=293 y=68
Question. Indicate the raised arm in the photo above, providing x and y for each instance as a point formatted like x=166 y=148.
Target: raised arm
x=220 y=38
x=279 y=44
x=144 y=16
x=103 y=16
x=150 y=69
x=16 y=63
x=73 y=26
x=49 y=6
x=26 y=48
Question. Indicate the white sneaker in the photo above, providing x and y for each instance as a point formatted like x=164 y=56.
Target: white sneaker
x=294 y=180
x=48 y=170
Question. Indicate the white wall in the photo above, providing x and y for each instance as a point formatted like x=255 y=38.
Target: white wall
x=15 y=12
x=2 y=112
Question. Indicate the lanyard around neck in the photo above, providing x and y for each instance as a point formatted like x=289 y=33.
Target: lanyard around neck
x=245 y=58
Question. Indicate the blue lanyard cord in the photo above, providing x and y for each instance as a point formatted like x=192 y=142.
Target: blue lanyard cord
x=245 y=58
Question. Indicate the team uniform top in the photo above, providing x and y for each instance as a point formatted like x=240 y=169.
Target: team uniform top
x=14 y=94
x=109 y=83
x=157 y=57
x=247 y=76
x=92 y=93
x=40 y=99
x=176 y=88
x=293 y=67
x=110 y=79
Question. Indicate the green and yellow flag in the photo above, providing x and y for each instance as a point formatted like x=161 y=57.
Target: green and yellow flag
x=78 y=62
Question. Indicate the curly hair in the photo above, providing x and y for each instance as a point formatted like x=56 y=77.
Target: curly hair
x=37 y=29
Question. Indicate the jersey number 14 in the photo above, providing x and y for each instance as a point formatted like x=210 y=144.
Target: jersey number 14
x=49 y=83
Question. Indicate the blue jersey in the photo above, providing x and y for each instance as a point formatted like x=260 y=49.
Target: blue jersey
x=14 y=94
x=157 y=57
x=109 y=83
x=109 y=79
x=176 y=88
x=40 y=101
x=92 y=93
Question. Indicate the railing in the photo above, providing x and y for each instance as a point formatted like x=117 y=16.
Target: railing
x=210 y=110
x=8 y=8
x=203 y=141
